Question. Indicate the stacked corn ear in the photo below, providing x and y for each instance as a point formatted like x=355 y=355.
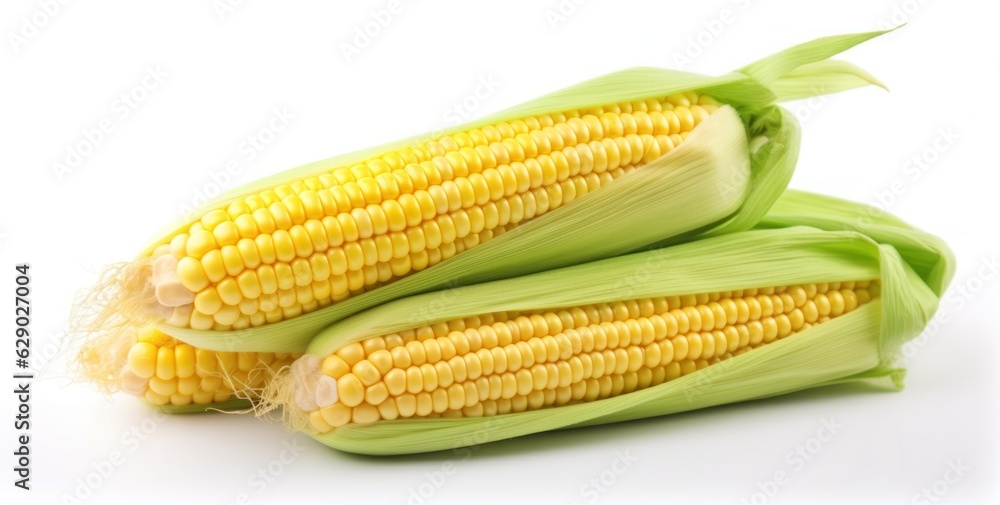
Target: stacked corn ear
x=819 y=293
x=639 y=157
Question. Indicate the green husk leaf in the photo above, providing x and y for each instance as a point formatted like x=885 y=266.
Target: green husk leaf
x=774 y=138
x=927 y=254
x=859 y=346
x=822 y=78
x=778 y=65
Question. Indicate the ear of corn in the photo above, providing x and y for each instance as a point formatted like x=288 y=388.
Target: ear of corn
x=264 y=268
x=509 y=362
x=701 y=182
x=815 y=296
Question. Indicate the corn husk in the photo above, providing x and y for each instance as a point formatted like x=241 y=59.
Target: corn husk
x=806 y=238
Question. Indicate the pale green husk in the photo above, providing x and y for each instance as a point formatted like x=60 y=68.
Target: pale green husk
x=721 y=180
x=806 y=238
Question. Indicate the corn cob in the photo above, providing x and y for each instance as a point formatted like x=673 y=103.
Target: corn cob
x=264 y=269
x=743 y=316
x=303 y=245
x=498 y=363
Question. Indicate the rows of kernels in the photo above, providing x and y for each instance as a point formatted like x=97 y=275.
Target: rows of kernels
x=376 y=221
x=179 y=374
x=429 y=406
x=281 y=304
x=589 y=389
x=453 y=366
x=340 y=266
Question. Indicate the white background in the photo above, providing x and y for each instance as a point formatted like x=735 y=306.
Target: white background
x=225 y=75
